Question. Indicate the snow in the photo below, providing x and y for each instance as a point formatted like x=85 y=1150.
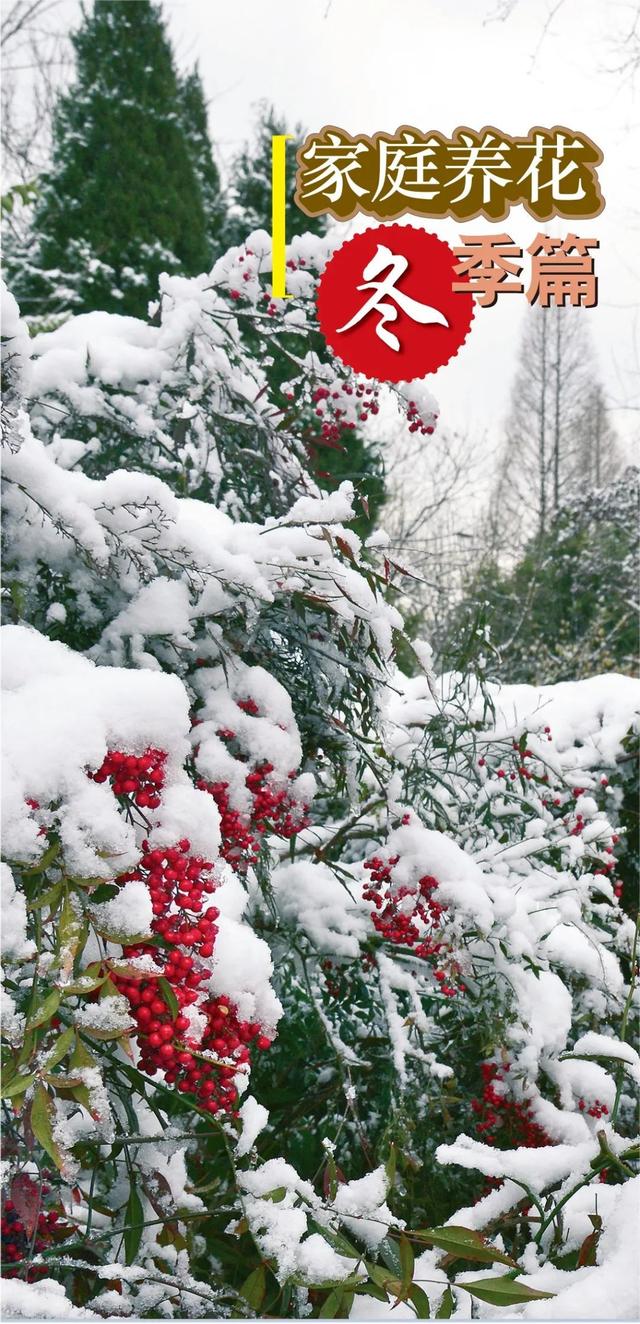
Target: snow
x=610 y=1288
x=312 y=899
x=46 y=1299
x=537 y=1168
x=572 y=949
x=242 y=967
x=610 y=1049
x=108 y=1016
x=363 y=1210
x=127 y=915
x=280 y=1225
x=187 y=813
x=73 y=712
x=15 y=335
x=13 y=919
x=254 y=1118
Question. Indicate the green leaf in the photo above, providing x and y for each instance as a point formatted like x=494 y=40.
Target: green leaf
x=45 y=860
x=41 y=1119
x=446 y=1305
x=389 y=1252
x=49 y=898
x=85 y=983
x=65 y=1042
x=44 y=1010
x=384 y=1279
x=104 y=892
x=81 y=1058
x=254 y=1287
x=331 y=1307
x=420 y=1302
x=169 y=996
x=17 y=1085
x=504 y=1291
x=121 y=937
x=406 y=1263
x=71 y=934
x=276 y=1195
x=463 y=1242
x=371 y=1289
x=134 y=1218
x=127 y=970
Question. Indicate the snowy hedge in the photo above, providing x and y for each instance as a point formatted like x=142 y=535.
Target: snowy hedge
x=318 y=991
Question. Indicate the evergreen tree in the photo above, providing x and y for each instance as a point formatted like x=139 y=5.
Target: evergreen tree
x=251 y=182
x=130 y=188
x=566 y=608
x=194 y=117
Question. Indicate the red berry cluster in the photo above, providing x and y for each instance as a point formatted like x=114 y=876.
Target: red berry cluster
x=177 y=883
x=272 y=811
x=18 y=1243
x=141 y=776
x=598 y=1109
x=410 y=917
x=203 y=1068
x=505 y=1122
x=342 y=408
x=417 y=423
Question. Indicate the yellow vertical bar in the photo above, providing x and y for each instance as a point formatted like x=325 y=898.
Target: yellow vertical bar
x=278 y=215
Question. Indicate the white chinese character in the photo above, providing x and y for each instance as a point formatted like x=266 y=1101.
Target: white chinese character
x=418 y=312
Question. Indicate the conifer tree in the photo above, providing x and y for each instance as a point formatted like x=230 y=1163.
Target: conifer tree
x=194 y=117
x=251 y=182
x=130 y=189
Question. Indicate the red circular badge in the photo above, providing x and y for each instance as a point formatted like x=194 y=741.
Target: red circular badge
x=386 y=305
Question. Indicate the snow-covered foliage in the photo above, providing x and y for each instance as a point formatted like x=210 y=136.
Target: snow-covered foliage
x=318 y=987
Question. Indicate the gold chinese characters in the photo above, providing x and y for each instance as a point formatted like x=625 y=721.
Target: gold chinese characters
x=551 y=172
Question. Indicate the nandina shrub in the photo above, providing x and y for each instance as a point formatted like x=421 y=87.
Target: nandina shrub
x=317 y=982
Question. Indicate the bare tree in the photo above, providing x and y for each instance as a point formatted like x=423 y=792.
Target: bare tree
x=36 y=61
x=434 y=497
x=558 y=436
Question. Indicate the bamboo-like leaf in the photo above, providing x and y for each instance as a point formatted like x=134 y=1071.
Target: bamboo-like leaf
x=25 y=1193
x=331 y=1307
x=254 y=1288
x=169 y=996
x=85 y=983
x=446 y=1305
x=44 y=1010
x=420 y=1301
x=504 y=1291
x=45 y=860
x=463 y=1242
x=49 y=898
x=406 y=1264
x=65 y=1042
x=41 y=1120
x=16 y=1085
x=371 y=1289
x=134 y=1218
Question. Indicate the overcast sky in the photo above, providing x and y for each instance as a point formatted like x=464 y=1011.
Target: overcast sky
x=370 y=65
x=374 y=64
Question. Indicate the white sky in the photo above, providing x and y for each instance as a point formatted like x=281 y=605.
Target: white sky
x=373 y=64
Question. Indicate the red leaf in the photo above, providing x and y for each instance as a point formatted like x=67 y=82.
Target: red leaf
x=26 y=1198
